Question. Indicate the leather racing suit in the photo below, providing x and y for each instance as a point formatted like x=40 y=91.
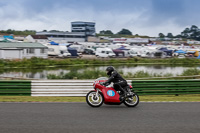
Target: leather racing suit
x=119 y=82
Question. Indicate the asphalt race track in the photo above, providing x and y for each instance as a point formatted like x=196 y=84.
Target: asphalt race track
x=81 y=118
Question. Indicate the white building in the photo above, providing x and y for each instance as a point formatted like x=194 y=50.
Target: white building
x=37 y=38
x=11 y=50
x=130 y=40
x=80 y=31
x=87 y=27
x=64 y=37
x=137 y=40
x=193 y=42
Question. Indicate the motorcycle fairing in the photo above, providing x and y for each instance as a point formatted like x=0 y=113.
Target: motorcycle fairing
x=110 y=95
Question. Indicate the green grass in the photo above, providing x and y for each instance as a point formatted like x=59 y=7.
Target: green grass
x=190 y=72
x=181 y=98
x=94 y=74
x=89 y=74
x=40 y=99
x=42 y=63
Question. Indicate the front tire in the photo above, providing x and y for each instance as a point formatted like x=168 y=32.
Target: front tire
x=132 y=101
x=93 y=100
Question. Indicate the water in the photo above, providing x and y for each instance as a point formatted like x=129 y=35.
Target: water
x=42 y=73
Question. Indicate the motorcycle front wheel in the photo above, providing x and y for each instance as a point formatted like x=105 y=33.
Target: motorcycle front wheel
x=132 y=101
x=94 y=100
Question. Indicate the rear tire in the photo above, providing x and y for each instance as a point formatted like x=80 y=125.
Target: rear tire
x=132 y=101
x=93 y=100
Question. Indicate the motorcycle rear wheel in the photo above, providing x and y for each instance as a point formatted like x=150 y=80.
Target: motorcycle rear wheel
x=132 y=101
x=93 y=100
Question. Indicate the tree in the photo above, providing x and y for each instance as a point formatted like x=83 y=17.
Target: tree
x=161 y=35
x=185 y=33
x=9 y=31
x=191 y=33
x=125 y=32
x=195 y=32
x=178 y=36
x=108 y=32
x=55 y=31
x=17 y=32
x=170 y=35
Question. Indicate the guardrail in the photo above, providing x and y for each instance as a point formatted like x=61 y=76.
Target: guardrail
x=166 y=87
x=82 y=87
x=62 y=87
x=15 y=88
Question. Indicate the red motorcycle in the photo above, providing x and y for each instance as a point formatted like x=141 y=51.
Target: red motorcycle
x=108 y=95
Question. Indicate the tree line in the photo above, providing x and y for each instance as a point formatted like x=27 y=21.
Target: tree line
x=17 y=32
x=188 y=33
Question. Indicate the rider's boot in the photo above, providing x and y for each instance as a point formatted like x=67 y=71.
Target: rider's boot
x=123 y=96
x=129 y=92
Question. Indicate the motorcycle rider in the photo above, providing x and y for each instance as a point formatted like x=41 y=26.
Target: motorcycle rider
x=119 y=83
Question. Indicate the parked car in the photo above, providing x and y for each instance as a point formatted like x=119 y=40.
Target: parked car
x=181 y=56
x=168 y=52
x=133 y=53
x=56 y=50
x=89 y=51
x=104 y=52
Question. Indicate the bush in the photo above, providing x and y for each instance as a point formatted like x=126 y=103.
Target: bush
x=39 y=62
x=89 y=74
x=190 y=72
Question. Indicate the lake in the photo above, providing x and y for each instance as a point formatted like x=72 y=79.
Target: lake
x=42 y=73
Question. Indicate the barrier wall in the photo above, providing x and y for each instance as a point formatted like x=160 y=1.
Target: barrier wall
x=166 y=87
x=15 y=88
x=82 y=87
x=62 y=87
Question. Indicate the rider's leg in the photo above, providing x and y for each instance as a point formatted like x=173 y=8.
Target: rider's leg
x=117 y=86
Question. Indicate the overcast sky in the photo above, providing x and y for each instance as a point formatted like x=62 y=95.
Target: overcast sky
x=143 y=17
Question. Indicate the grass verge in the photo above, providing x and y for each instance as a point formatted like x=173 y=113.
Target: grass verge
x=181 y=98
x=42 y=63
